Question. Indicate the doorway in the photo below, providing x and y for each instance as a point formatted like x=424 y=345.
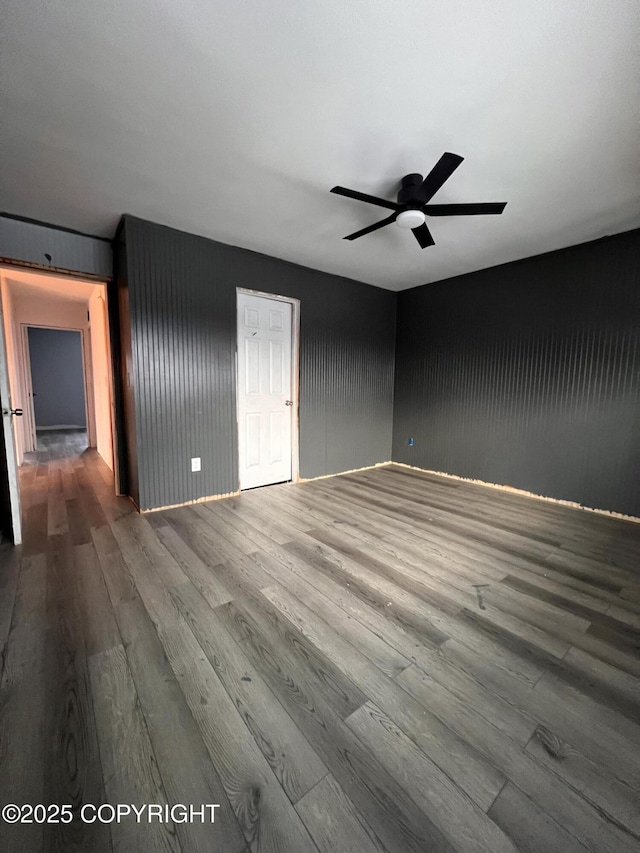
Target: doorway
x=51 y=374
x=56 y=379
x=55 y=355
x=267 y=388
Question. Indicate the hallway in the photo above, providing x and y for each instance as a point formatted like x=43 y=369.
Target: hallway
x=383 y=661
x=57 y=444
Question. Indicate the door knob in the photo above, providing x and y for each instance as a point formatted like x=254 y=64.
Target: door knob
x=288 y=402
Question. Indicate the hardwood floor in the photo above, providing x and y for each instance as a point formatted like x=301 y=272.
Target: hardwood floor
x=382 y=661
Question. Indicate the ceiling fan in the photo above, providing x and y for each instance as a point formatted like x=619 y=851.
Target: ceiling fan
x=413 y=202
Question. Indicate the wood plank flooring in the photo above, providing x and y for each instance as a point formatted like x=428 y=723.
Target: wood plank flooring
x=381 y=662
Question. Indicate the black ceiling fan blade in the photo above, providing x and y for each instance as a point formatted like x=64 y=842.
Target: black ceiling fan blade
x=371 y=228
x=370 y=199
x=423 y=236
x=442 y=171
x=464 y=209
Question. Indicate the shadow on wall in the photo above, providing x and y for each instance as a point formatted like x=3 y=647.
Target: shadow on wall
x=57 y=376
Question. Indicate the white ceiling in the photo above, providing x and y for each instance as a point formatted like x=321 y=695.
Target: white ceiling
x=234 y=118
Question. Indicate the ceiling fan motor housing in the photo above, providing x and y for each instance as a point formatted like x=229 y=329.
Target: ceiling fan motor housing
x=409 y=186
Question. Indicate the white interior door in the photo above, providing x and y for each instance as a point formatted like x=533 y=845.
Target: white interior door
x=10 y=465
x=265 y=407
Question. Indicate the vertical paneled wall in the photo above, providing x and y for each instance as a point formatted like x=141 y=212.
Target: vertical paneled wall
x=180 y=292
x=528 y=375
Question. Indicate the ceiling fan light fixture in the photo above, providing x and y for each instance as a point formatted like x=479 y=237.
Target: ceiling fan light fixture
x=413 y=204
x=410 y=219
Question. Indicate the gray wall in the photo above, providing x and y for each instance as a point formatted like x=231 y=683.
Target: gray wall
x=30 y=242
x=528 y=374
x=57 y=377
x=180 y=293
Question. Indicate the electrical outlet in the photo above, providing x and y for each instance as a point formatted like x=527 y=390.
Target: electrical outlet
x=196 y=464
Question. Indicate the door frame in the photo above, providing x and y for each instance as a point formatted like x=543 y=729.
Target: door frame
x=295 y=376
x=26 y=392
x=8 y=427
x=7 y=266
x=87 y=377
